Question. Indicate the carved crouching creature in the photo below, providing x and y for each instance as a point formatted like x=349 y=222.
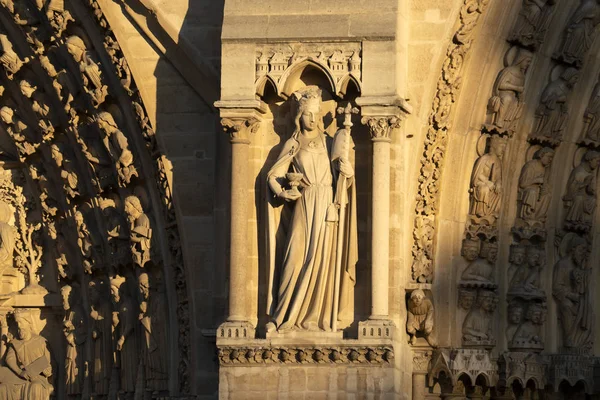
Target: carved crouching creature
x=420 y=318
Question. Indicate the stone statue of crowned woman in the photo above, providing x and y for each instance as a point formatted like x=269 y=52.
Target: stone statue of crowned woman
x=312 y=246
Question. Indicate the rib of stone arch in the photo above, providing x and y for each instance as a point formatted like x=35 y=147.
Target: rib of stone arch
x=466 y=118
x=151 y=168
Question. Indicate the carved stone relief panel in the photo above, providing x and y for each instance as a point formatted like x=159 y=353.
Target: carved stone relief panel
x=81 y=219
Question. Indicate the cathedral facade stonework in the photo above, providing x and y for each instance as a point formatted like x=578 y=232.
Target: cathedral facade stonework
x=232 y=199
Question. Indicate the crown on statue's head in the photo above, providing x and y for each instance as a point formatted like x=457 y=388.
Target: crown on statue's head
x=308 y=95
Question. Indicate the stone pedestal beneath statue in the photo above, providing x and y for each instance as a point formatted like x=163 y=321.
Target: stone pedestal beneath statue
x=307 y=367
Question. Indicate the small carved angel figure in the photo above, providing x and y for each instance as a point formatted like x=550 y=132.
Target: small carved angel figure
x=140 y=231
x=90 y=70
x=420 y=317
x=75 y=331
x=40 y=105
x=534 y=188
x=118 y=146
x=68 y=171
x=101 y=318
x=57 y=15
x=9 y=59
x=85 y=243
x=19 y=131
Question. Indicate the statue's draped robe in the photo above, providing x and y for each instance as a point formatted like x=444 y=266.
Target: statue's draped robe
x=487 y=175
x=534 y=204
x=593 y=113
x=32 y=355
x=103 y=355
x=580 y=195
x=581 y=31
x=154 y=342
x=74 y=368
x=302 y=238
x=141 y=232
x=477 y=325
x=505 y=98
x=573 y=304
x=128 y=355
x=551 y=114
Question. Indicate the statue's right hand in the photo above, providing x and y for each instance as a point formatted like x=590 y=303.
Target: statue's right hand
x=288 y=195
x=25 y=375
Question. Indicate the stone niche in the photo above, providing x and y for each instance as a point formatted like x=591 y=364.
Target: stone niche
x=313 y=148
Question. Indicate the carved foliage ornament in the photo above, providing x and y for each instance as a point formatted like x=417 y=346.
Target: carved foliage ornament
x=239 y=129
x=437 y=139
x=381 y=127
x=306 y=355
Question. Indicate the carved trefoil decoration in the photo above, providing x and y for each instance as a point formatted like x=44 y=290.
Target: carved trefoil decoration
x=277 y=63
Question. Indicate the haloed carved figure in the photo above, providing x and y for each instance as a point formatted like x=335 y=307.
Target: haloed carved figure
x=303 y=233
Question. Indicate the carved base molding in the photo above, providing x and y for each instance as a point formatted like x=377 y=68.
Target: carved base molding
x=258 y=353
x=376 y=329
x=235 y=331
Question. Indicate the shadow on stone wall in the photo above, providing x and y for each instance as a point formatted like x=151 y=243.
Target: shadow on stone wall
x=187 y=130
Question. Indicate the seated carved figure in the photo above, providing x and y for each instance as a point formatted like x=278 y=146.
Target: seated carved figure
x=477 y=327
x=420 y=317
x=28 y=366
x=482 y=270
x=529 y=332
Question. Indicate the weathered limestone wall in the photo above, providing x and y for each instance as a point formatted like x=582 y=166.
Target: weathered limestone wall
x=297 y=383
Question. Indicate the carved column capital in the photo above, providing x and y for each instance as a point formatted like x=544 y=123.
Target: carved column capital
x=240 y=128
x=381 y=127
x=421 y=361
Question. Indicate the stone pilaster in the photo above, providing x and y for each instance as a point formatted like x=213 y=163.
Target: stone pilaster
x=240 y=123
x=382 y=116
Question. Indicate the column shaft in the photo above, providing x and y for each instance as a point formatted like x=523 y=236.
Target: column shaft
x=418 y=386
x=380 y=235
x=238 y=260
